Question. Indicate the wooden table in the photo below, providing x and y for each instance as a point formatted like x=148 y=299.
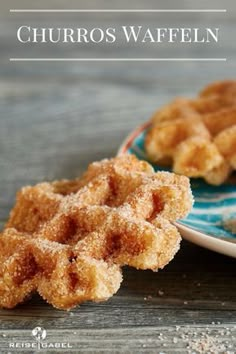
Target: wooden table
x=58 y=117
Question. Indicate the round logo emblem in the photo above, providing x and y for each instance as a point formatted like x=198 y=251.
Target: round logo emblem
x=39 y=333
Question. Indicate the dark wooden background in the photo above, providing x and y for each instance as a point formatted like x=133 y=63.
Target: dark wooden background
x=57 y=117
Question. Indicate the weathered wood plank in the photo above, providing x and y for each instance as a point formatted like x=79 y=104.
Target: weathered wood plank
x=54 y=120
x=173 y=339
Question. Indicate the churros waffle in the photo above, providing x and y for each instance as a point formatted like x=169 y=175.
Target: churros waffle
x=197 y=136
x=67 y=240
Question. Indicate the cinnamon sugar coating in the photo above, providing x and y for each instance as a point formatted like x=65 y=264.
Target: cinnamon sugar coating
x=67 y=240
x=197 y=136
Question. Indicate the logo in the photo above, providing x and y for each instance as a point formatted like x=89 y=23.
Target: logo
x=39 y=335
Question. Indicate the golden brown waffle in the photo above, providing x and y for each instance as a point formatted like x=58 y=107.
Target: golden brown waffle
x=67 y=240
x=197 y=136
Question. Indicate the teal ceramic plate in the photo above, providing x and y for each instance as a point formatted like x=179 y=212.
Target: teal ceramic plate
x=213 y=209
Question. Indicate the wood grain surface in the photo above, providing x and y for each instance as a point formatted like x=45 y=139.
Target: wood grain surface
x=55 y=118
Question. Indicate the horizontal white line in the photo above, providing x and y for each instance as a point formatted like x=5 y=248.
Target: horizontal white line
x=214 y=211
x=118 y=59
x=119 y=10
x=201 y=222
x=221 y=197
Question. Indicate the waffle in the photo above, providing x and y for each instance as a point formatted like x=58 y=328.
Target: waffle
x=197 y=137
x=67 y=240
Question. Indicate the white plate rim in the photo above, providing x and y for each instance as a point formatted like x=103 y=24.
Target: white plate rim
x=226 y=247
